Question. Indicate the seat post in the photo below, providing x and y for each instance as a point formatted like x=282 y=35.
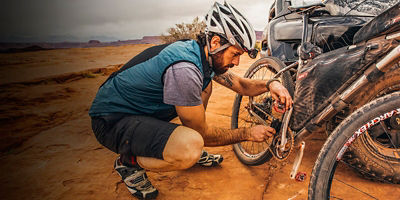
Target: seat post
x=305 y=27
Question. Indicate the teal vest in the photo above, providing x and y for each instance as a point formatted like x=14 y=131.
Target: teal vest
x=137 y=88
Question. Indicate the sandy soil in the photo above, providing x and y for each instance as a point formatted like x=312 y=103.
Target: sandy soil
x=48 y=150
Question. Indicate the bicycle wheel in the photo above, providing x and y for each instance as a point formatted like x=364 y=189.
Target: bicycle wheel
x=256 y=153
x=332 y=178
x=364 y=150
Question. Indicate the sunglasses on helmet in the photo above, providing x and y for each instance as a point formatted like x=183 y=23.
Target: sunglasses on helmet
x=252 y=53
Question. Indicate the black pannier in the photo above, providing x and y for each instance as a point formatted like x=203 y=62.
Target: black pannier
x=328 y=74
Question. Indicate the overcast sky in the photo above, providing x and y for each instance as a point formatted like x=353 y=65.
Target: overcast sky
x=107 y=20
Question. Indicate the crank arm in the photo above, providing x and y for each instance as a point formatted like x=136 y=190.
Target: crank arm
x=297 y=160
x=286 y=119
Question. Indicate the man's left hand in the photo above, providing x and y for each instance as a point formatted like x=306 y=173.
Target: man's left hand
x=281 y=94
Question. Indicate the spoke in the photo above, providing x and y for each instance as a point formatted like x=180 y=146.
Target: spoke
x=265 y=72
x=264 y=96
x=245 y=146
x=383 y=125
x=252 y=147
x=249 y=118
x=335 y=197
x=355 y=188
x=396 y=137
x=263 y=145
x=255 y=76
x=245 y=119
x=390 y=134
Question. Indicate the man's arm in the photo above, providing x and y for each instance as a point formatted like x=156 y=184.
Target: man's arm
x=243 y=86
x=252 y=87
x=194 y=117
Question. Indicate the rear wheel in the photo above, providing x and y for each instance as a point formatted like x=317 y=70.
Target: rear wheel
x=331 y=176
x=245 y=108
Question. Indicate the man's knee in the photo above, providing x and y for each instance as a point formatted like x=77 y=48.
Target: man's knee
x=184 y=147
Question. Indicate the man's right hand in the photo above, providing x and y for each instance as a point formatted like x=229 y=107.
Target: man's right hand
x=260 y=133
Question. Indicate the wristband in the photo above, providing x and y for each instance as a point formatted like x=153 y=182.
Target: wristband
x=270 y=81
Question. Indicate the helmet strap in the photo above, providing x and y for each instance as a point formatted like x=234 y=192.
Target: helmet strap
x=220 y=48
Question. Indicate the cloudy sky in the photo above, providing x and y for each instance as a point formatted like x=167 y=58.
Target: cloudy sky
x=107 y=20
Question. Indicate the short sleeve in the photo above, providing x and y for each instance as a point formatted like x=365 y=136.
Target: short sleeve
x=183 y=85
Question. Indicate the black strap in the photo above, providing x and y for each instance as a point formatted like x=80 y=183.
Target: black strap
x=140 y=58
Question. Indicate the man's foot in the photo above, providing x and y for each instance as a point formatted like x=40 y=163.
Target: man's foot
x=209 y=160
x=136 y=180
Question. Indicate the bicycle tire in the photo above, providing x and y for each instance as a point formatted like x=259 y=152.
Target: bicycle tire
x=344 y=135
x=364 y=150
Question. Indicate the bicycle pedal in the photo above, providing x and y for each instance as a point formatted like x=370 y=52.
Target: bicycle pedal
x=279 y=107
x=301 y=176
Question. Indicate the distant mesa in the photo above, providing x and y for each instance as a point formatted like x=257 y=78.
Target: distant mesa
x=22 y=49
x=94 y=42
x=38 y=46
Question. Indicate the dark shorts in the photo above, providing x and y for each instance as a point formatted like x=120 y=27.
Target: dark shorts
x=133 y=135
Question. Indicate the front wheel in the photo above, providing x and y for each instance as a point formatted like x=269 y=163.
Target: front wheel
x=366 y=153
x=245 y=109
x=332 y=176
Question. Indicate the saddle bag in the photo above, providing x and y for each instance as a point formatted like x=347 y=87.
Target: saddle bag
x=329 y=74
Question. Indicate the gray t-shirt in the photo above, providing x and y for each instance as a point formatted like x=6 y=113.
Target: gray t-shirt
x=183 y=83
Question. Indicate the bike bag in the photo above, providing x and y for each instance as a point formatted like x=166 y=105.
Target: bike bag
x=319 y=82
x=386 y=22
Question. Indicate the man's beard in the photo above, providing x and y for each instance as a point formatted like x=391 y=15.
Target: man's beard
x=218 y=61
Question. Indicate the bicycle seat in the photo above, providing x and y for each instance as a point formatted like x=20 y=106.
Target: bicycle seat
x=386 y=22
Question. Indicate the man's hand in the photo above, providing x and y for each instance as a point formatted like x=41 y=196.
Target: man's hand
x=281 y=94
x=260 y=133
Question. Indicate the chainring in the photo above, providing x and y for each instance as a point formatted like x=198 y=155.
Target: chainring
x=275 y=149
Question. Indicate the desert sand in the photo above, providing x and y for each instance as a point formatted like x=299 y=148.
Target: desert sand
x=48 y=150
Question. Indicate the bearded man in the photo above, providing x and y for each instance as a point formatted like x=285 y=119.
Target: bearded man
x=132 y=110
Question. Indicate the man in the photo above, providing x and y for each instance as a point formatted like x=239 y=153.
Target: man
x=132 y=109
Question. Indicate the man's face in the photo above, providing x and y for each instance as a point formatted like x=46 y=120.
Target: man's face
x=226 y=59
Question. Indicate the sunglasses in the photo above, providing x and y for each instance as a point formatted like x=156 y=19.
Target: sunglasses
x=252 y=53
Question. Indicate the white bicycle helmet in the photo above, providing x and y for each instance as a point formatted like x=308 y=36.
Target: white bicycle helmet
x=227 y=22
